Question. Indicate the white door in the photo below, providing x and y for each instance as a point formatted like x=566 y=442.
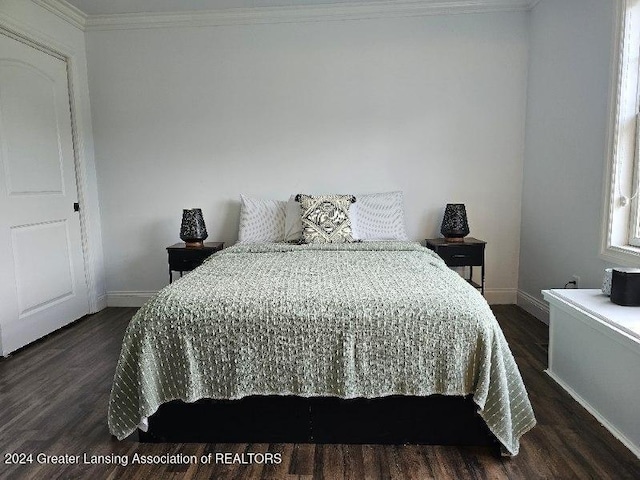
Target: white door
x=42 y=281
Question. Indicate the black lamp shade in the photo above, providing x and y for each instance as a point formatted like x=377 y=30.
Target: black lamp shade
x=193 y=231
x=454 y=224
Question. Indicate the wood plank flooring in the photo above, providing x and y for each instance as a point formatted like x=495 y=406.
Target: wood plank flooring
x=54 y=394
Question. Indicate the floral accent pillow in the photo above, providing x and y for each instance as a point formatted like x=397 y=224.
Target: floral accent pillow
x=325 y=218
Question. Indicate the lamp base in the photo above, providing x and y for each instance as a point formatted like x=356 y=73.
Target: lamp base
x=194 y=244
x=454 y=239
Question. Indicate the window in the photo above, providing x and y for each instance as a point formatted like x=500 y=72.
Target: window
x=621 y=219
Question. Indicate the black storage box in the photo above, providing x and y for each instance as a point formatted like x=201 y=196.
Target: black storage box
x=625 y=287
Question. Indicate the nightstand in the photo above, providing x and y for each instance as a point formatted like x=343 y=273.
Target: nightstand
x=469 y=253
x=184 y=259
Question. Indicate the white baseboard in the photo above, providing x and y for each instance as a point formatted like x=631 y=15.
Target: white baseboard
x=532 y=305
x=500 y=296
x=128 y=298
x=101 y=303
x=635 y=449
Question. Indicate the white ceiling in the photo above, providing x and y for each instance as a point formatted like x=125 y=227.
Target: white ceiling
x=102 y=7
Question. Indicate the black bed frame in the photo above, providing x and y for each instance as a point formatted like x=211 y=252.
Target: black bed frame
x=433 y=420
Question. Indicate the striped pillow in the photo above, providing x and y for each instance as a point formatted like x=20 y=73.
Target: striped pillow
x=261 y=220
x=379 y=216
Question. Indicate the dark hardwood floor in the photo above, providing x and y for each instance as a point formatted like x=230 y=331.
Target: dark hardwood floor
x=54 y=393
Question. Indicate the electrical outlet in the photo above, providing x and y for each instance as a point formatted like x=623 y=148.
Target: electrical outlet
x=576 y=279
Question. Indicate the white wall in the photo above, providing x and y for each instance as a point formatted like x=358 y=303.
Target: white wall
x=567 y=112
x=184 y=117
x=41 y=25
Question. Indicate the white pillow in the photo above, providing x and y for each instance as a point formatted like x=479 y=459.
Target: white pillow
x=261 y=220
x=378 y=216
x=292 y=221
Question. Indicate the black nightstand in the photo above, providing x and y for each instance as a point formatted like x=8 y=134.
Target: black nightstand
x=184 y=259
x=469 y=253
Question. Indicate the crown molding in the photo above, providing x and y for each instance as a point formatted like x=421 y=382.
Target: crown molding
x=270 y=15
x=65 y=11
x=304 y=13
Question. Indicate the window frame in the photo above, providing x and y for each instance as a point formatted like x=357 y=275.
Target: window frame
x=634 y=220
x=622 y=156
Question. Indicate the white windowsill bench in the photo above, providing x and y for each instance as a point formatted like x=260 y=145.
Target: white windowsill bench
x=594 y=354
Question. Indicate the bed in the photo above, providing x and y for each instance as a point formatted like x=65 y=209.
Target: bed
x=358 y=321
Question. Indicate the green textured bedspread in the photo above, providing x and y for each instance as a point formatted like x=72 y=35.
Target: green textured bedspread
x=351 y=320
